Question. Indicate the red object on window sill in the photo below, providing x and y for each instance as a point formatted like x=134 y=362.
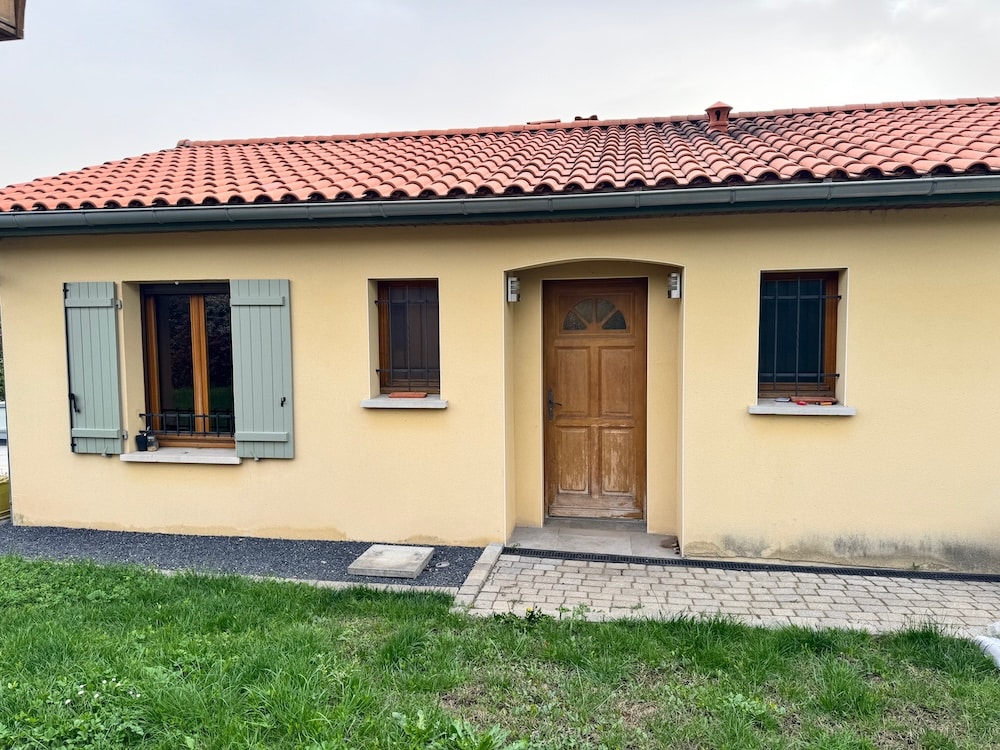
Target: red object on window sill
x=407 y=394
x=815 y=400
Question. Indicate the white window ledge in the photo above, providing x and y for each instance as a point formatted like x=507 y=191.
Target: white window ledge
x=430 y=401
x=184 y=456
x=791 y=409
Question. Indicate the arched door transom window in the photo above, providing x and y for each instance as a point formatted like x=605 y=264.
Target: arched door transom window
x=592 y=314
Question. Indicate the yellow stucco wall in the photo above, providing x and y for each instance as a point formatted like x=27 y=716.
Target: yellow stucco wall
x=359 y=474
x=912 y=479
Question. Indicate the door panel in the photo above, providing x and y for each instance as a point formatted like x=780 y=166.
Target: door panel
x=595 y=378
x=616 y=374
x=574 y=474
x=574 y=381
x=618 y=461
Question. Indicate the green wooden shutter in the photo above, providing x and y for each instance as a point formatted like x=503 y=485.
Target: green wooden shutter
x=92 y=354
x=262 y=368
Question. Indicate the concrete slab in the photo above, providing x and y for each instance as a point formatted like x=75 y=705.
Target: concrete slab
x=391 y=561
x=592 y=544
x=653 y=545
x=615 y=538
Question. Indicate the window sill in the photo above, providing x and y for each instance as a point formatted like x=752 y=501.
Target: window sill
x=184 y=456
x=431 y=401
x=788 y=409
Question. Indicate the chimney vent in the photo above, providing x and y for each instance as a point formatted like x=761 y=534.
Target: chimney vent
x=718 y=117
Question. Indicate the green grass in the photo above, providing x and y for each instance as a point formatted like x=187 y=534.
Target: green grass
x=109 y=657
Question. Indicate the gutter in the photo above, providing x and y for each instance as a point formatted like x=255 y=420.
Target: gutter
x=867 y=194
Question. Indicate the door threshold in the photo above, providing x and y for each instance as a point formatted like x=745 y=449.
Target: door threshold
x=629 y=525
x=594 y=536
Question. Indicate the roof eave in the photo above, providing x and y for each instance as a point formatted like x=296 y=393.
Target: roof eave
x=867 y=194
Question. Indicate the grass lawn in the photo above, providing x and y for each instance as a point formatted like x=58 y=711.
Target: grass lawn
x=108 y=657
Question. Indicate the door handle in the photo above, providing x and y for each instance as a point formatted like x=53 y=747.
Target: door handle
x=551 y=403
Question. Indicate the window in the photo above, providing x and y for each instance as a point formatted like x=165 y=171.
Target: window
x=594 y=314
x=409 y=352
x=216 y=357
x=798 y=334
x=187 y=334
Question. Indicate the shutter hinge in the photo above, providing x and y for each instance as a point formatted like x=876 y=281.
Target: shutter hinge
x=124 y=434
x=118 y=304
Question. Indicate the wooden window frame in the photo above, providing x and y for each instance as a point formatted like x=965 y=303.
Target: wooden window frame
x=388 y=384
x=199 y=363
x=827 y=388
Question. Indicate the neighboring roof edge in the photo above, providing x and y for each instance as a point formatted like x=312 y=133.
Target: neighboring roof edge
x=585 y=123
x=867 y=194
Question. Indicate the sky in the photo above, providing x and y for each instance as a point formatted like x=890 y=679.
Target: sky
x=100 y=80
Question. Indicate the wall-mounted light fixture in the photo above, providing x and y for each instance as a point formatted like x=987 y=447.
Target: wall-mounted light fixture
x=674 y=286
x=513 y=289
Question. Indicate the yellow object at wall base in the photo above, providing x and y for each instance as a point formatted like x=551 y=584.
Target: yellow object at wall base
x=4 y=498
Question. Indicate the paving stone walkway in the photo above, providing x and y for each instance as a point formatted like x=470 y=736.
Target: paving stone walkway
x=605 y=590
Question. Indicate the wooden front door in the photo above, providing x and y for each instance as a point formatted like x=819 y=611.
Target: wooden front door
x=595 y=398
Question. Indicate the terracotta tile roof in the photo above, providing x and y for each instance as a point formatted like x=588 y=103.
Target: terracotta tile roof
x=862 y=141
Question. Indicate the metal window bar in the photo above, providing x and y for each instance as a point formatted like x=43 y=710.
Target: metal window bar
x=799 y=381
x=413 y=340
x=182 y=423
x=413 y=377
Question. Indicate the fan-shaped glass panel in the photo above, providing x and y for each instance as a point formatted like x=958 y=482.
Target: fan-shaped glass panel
x=585 y=310
x=572 y=322
x=615 y=323
x=604 y=308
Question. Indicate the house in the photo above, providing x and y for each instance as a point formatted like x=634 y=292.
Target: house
x=773 y=334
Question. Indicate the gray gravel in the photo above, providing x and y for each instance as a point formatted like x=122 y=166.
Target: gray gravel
x=279 y=558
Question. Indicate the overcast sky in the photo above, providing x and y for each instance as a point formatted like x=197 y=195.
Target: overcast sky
x=98 y=80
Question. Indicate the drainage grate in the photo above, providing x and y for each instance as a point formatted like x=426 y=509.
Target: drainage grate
x=934 y=575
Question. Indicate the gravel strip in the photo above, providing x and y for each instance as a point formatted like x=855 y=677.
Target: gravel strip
x=272 y=558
